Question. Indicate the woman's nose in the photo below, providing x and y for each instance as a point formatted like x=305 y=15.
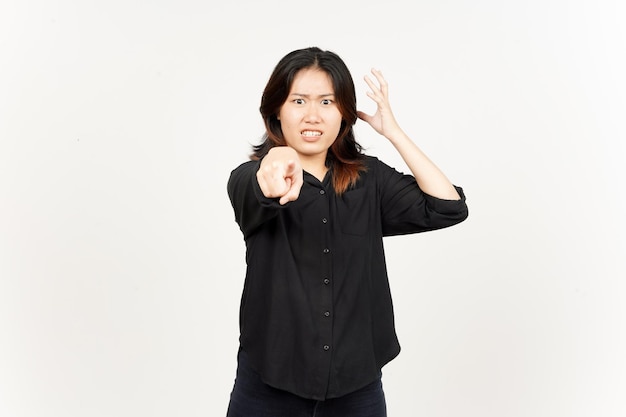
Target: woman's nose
x=312 y=114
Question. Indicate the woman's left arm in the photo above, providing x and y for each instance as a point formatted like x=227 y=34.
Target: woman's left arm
x=428 y=176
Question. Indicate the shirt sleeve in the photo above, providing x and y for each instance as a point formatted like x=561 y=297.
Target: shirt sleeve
x=251 y=207
x=405 y=208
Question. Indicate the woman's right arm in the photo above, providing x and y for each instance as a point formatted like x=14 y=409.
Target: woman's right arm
x=258 y=189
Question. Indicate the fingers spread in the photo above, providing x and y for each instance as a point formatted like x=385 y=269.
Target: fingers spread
x=381 y=80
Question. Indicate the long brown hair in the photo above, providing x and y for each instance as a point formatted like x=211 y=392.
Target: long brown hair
x=345 y=157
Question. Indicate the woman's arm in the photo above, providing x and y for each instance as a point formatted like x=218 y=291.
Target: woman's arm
x=428 y=176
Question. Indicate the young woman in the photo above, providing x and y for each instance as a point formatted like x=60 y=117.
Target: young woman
x=316 y=316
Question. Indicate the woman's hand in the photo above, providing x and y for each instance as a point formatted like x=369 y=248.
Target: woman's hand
x=280 y=174
x=428 y=176
x=383 y=121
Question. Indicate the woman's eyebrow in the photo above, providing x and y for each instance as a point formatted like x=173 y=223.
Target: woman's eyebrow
x=309 y=96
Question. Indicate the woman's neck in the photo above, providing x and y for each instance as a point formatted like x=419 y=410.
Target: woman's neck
x=316 y=167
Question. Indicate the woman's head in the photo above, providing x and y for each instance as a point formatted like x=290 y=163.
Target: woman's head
x=280 y=82
x=344 y=155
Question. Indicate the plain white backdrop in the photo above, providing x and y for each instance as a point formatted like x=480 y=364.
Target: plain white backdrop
x=121 y=265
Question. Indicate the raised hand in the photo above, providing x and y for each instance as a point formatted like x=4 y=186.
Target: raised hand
x=383 y=121
x=428 y=176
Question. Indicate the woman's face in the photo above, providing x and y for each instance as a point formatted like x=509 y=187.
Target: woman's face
x=310 y=119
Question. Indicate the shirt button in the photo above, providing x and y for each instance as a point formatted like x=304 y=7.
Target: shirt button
x=326 y=281
x=322 y=192
x=324 y=220
x=326 y=250
x=326 y=347
x=327 y=314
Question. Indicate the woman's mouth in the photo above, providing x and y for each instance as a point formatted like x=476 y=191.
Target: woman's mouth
x=310 y=135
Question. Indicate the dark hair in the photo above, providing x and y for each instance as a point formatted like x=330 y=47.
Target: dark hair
x=345 y=155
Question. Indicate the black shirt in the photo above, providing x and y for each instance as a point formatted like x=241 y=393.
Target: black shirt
x=316 y=316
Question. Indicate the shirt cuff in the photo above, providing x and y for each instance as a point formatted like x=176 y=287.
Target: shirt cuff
x=442 y=206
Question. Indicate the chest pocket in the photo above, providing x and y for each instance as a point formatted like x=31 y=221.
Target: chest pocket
x=353 y=211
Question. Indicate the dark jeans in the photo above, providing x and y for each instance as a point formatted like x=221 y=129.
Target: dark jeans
x=253 y=398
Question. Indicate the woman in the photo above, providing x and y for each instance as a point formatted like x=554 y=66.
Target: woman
x=316 y=316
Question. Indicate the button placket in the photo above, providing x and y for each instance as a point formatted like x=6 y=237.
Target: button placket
x=326 y=300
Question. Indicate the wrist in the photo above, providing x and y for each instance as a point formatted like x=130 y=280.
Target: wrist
x=397 y=136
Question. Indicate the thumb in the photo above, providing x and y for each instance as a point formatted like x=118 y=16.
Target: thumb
x=292 y=193
x=363 y=116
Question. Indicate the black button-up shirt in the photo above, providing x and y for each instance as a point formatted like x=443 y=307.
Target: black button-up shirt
x=316 y=315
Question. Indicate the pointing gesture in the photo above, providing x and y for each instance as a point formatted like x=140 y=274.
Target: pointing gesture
x=280 y=174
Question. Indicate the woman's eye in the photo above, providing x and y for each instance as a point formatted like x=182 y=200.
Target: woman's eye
x=299 y=101
x=326 y=101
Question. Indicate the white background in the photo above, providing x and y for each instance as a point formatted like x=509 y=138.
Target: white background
x=121 y=265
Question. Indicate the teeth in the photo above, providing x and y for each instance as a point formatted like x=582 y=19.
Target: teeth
x=311 y=133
